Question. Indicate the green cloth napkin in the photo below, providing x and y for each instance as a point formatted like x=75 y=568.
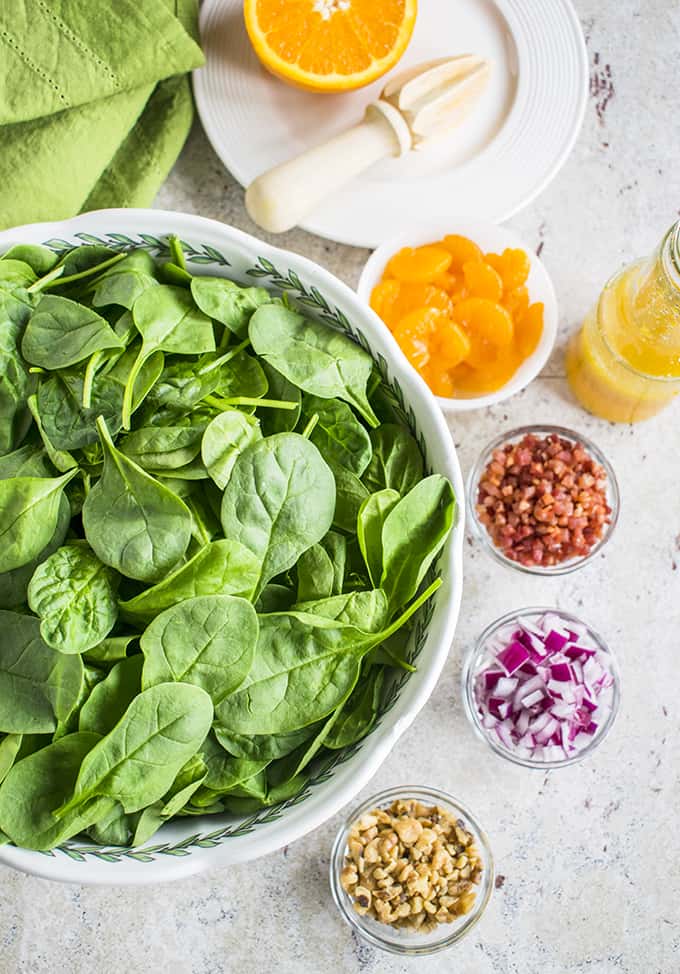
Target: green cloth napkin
x=95 y=103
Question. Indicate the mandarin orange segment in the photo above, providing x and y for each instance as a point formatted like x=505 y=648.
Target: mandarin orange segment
x=440 y=382
x=462 y=249
x=516 y=301
x=452 y=344
x=413 y=333
x=384 y=298
x=513 y=265
x=329 y=45
x=482 y=281
x=486 y=318
x=529 y=329
x=419 y=265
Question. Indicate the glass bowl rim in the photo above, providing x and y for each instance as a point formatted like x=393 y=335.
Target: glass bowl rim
x=341 y=898
x=481 y=533
x=469 y=703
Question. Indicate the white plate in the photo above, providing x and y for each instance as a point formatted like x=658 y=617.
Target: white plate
x=494 y=164
x=189 y=845
x=490 y=238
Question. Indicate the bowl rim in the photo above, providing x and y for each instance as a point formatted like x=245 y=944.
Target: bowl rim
x=341 y=899
x=429 y=231
x=482 y=535
x=468 y=695
x=161 y=864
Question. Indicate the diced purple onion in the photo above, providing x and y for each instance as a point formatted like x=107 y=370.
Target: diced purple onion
x=542 y=688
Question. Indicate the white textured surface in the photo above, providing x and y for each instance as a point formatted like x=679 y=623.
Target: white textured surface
x=590 y=856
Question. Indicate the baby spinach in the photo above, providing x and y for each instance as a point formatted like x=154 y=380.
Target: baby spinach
x=396 y=462
x=30 y=510
x=227 y=435
x=370 y=521
x=313 y=356
x=168 y=321
x=74 y=595
x=38 y=686
x=279 y=501
x=207 y=641
x=109 y=700
x=139 y=759
x=209 y=590
x=123 y=283
x=38 y=784
x=61 y=332
x=413 y=534
x=338 y=434
x=132 y=522
x=220 y=568
x=229 y=304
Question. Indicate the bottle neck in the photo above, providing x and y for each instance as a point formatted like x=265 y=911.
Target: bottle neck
x=669 y=257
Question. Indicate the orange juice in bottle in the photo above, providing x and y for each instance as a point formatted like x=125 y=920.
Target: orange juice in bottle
x=624 y=363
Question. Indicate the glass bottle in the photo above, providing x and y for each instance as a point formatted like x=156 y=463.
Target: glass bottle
x=624 y=363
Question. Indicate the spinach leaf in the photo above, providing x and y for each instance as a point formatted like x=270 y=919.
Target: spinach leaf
x=74 y=595
x=224 y=439
x=279 y=501
x=61 y=332
x=313 y=356
x=275 y=598
x=14 y=584
x=360 y=712
x=162 y=447
x=36 y=786
x=110 y=699
x=132 y=522
x=16 y=383
x=228 y=303
x=350 y=494
x=138 y=760
x=241 y=376
x=67 y=424
x=263 y=747
x=225 y=772
x=207 y=641
x=110 y=651
x=279 y=388
x=68 y=724
x=123 y=283
x=397 y=463
x=370 y=521
x=168 y=321
x=61 y=459
x=338 y=434
x=38 y=686
x=367 y=610
x=9 y=748
x=30 y=512
x=186 y=783
x=315 y=574
x=41 y=259
x=15 y=273
x=220 y=568
x=413 y=534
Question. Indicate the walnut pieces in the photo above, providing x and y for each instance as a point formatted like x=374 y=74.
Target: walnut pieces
x=411 y=865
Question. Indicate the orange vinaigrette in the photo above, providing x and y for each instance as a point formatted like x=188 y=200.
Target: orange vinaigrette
x=461 y=317
x=624 y=363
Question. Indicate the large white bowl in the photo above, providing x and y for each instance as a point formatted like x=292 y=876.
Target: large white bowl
x=491 y=238
x=189 y=845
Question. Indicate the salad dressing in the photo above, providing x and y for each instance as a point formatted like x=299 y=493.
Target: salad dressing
x=624 y=363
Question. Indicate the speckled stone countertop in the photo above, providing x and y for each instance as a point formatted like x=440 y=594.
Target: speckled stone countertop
x=588 y=858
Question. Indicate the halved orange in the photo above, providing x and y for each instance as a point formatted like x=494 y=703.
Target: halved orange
x=329 y=45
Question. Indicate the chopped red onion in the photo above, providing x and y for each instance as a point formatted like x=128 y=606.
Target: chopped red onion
x=544 y=689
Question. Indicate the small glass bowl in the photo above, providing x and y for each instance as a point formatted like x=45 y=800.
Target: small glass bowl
x=479 y=529
x=401 y=941
x=480 y=656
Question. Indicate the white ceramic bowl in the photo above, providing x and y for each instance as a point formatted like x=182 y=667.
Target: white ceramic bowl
x=489 y=237
x=190 y=845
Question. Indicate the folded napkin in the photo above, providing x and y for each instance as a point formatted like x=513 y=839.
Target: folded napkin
x=95 y=103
